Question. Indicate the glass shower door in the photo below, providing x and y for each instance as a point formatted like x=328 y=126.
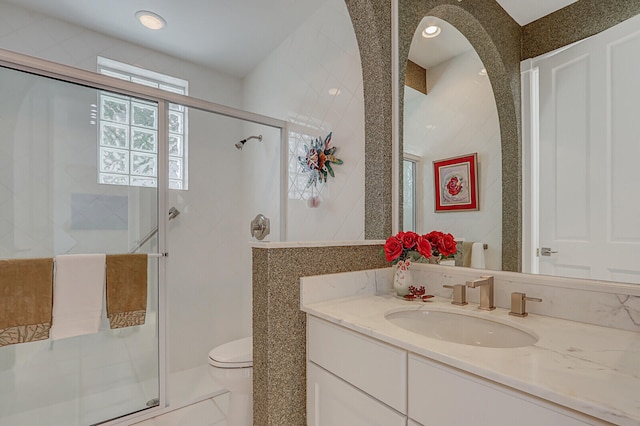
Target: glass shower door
x=78 y=174
x=209 y=291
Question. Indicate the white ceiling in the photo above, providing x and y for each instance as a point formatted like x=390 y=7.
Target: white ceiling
x=527 y=11
x=428 y=52
x=232 y=36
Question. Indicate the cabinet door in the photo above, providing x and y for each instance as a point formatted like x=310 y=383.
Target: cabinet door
x=375 y=367
x=333 y=402
x=440 y=395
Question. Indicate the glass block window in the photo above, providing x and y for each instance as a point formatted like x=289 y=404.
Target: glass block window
x=298 y=179
x=128 y=131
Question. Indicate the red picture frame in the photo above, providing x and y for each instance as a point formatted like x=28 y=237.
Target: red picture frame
x=456 y=183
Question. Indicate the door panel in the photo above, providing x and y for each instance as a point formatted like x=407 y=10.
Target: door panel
x=589 y=189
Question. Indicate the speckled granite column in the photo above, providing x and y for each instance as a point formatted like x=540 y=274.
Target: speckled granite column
x=279 y=327
x=586 y=18
x=372 y=24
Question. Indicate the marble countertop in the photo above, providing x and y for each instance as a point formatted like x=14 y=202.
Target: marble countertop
x=591 y=369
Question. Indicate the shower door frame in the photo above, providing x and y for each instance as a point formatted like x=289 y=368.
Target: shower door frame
x=66 y=73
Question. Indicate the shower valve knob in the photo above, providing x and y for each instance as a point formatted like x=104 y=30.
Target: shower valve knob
x=260 y=227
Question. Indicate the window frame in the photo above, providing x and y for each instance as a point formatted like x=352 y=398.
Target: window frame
x=418 y=194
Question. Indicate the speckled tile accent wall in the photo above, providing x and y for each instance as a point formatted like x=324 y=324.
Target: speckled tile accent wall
x=416 y=77
x=587 y=17
x=496 y=37
x=372 y=24
x=279 y=327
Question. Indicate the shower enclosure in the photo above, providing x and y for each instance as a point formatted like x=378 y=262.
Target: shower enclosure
x=90 y=164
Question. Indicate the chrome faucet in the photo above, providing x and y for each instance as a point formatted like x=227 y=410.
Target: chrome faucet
x=486 y=292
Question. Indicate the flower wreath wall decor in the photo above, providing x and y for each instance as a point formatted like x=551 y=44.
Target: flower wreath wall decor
x=317 y=163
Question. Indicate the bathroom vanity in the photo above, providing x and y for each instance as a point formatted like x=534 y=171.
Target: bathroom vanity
x=367 y=367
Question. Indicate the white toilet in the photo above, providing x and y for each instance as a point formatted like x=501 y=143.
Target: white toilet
x=231 y=366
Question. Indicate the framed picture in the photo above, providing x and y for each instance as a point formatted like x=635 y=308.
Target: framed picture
x=456 y=183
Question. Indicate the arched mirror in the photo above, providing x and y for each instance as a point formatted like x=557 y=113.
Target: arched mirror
x=450 y=116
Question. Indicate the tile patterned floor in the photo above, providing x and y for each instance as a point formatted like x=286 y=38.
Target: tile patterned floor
x=210 y=412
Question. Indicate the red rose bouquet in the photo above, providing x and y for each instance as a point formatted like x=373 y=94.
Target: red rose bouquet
x=412 y=246
x=444 y=245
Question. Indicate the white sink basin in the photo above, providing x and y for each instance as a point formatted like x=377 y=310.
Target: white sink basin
x=460 y=328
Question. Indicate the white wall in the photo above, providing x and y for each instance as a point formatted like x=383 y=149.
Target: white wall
x=458 y=116
x=293 y=84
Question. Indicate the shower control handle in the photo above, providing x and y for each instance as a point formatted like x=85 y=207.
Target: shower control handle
x=260 y=227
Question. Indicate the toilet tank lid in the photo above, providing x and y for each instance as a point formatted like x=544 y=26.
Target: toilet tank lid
x=234 y=352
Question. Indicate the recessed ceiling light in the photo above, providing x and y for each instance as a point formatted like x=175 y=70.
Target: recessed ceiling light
x=151 y=20
x=431 y=31
x=334 y=91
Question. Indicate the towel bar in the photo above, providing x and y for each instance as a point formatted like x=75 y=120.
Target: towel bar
x=154 y=255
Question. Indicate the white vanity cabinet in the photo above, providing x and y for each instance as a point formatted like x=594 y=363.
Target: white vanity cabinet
x=440 y=395
x=352 y=379
x=333 y=402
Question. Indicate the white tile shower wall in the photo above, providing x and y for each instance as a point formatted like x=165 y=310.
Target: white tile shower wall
x=459 y=117
x=293 y=83
x=198 y=291
x=260 y=184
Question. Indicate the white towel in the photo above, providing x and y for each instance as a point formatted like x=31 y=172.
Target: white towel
x=477 y=256
x=78 y=294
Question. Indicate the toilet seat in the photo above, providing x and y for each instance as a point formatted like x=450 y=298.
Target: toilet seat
x=234 y=354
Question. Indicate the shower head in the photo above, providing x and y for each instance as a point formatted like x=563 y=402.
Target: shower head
x=173 y=213
x=240 y=144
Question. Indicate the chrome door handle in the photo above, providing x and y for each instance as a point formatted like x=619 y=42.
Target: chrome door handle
x=546 y=251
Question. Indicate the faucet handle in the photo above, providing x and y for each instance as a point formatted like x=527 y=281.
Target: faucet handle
x=519 y=304
x=459 y=294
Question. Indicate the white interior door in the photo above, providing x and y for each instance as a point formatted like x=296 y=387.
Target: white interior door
x=589 y=196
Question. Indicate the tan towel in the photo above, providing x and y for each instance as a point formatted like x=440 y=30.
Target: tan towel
x=26 y=296
x=126 y=289
x=466 y=253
